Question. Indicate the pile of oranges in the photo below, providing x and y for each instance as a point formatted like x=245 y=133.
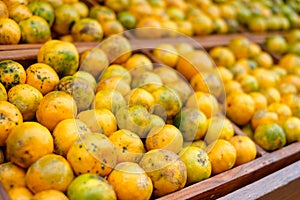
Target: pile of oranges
x=75 y=125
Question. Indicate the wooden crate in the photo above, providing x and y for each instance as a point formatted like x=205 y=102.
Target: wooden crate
x=217 y=185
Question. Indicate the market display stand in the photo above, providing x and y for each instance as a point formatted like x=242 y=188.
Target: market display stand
x=216 y=186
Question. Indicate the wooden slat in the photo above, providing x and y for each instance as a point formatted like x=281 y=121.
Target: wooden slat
x=283 y=184
x=3 y=193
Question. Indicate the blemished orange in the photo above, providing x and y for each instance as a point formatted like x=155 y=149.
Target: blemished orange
x=28 y=142
x=42 y=77
x=240 y=107
x=58 y=104
x=245 y=149
x=49 y=172
x=222 y=155
x=126 y=178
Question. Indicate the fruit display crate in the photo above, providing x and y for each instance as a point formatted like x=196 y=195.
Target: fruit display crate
x=218 y=185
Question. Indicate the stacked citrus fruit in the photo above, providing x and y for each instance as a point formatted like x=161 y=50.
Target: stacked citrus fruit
x=109 y=124
x=261 y=96
x=261 y=16
x=280 y=45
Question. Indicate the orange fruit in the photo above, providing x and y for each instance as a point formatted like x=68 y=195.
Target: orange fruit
x=28 y=142
x=116 y=70
x=126 y=180
x=167 y=54
x=282 y=110
x=102 y=13
x=10 y=32
x=141 y=9
x=99 y=120
x=239 y=47
x=112 y=27
x=183 y=47
x=265 y=78
x=240 y=107
x=127 y=20
x=65 y=16
x=81 y=8
x=192 y=123
x=44 y=10
x=263 y=116
x=148 y=27
x=276 y=44
x=293 y=79
x=257 y=24
x=166 y=101
x=26 y=98
x=138 y=61
x=270 y=136
x=66 y=133
x=287 y=88
x=11 y=118
x=130 y=147
x=93 y=61
x=42 y=77
x=11 y=73
x=232 y=86
x=218 y=128
x=20 y=193
x=118 y=5
x=3 y=93
x=87 y=30
x=185 y=27
x=166 y=165
x=168 y=137
x=208 y=82
x=272 y=95
x=290 y=62
x=182 y=88
x=222 y=56
x=147 y=80
x=245 y=149
x=115 y=82
x=19 y=12
x=3 y=10
x=117 y=48
x=49 y=195
x=139 y=96
x=222 y=155
x=40 y=175
x=167 y=74
x=58 y=104
x=86 y=76
x=87 y=186
x=197 y=163
x=205 y=102
x=62 y=56
x=293 y=101
x=202 y=25
x=12 y=176
x=169 y=28
x=260 y=100
x=191 y=63
x=291 y=128
x=248 y=83
x=254 y=49
x=79 y=89
x=93 y=153
x=110 y=99
x=264 y=60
